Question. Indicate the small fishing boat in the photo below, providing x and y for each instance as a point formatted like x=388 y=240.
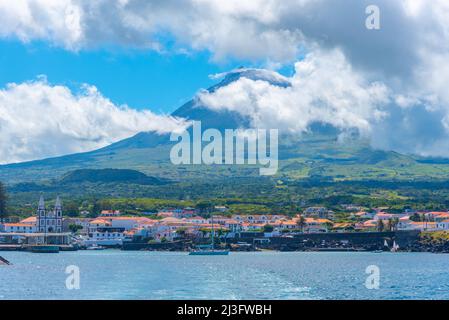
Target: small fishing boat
x=208 y=250
x=95 y=247
x=209 y=253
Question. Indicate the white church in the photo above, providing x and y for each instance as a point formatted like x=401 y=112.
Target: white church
x=49 y=221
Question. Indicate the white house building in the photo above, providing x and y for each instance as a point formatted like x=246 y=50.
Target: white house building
x=18 y=228
x=101 y=232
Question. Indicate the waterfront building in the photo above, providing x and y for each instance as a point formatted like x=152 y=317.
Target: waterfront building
x=285 y=225
x=101 y=232
x=233 y=226
x=443 y=225
x=18 y=228
x=436 y=215
x=49 y=221
x=424 y=226
x=318 y=212
x=129 y=223
x=110 y=213
x=30 y=220
x=441 y=217
x=221 y=208
x=258 y=218
x=363 y=215
x=185 y=213
x=384 y=216
x=198 y=220
x=317 y=225
x=405 y=223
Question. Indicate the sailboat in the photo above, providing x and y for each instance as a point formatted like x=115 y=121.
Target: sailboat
x=209 y=250
x=395 y=247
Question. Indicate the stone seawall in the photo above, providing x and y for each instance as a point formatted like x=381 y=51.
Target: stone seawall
x=358 y=240
x=163 y=246
x=363 y=240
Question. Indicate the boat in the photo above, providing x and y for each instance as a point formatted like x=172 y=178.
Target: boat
x=395 y=247
x=95 y=247
x=209 y=250
x=43 y=249
x=209 y=253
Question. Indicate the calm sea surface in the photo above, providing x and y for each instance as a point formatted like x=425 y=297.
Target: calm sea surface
x=113 y=274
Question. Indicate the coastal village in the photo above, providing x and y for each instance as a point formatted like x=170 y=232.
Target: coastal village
x=112 y=228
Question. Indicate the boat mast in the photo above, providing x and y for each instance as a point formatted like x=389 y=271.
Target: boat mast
x=213 y=232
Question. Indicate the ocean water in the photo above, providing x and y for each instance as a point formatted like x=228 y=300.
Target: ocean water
x=114 y=274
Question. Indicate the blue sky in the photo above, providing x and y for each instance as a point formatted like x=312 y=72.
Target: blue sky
x=143 y=79
x=391 y=82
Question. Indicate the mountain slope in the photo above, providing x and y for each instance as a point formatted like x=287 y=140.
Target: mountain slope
x=317 y=154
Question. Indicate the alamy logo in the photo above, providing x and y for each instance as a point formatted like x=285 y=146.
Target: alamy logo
x=250 y=146
x=72 y=282
x=373 y=280
x=372 y=22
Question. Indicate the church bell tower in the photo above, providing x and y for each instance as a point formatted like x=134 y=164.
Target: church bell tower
x=49 y=221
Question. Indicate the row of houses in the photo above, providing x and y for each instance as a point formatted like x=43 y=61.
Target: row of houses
x=428 y=221
x=112 y=228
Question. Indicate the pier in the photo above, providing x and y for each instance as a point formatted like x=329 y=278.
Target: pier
x=27 y=241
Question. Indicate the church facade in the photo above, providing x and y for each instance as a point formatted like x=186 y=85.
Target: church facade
x=49 y=221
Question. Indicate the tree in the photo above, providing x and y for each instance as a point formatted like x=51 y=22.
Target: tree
x=3 y=201
x=395 y=223
x=204 y=206
x=96 y=208
x=220 y=232
x=268 y=228
x=204 y=232
x=181 y=232
x=71 y=209
x=390 y=225
x=380 y=225
x=301 y=223
x=75 y=227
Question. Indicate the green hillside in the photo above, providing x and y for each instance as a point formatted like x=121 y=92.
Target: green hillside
x=317 y=154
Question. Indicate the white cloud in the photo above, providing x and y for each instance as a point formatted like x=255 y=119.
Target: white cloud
x=243 y=29
x=39 y=120
x=272 y=30
x=398 y=73
x=323 y=89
